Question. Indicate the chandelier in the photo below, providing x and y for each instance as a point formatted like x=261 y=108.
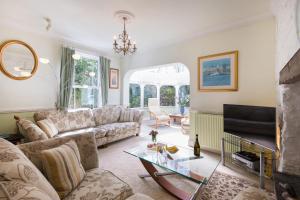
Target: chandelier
x=123 y=44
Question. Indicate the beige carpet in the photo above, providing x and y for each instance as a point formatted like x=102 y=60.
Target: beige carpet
x=127 y=167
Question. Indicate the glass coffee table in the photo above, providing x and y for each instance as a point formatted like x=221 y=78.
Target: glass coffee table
x=183 y=162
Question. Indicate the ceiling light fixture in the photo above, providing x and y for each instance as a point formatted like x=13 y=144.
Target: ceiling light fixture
x=122 y=44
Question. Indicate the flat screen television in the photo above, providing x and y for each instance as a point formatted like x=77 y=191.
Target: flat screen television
x=256 y=124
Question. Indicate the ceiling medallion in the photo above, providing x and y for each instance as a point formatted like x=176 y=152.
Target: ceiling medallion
x=123 y=44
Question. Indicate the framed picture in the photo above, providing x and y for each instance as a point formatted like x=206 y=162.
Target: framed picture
x=113 y=78
x=218 y=72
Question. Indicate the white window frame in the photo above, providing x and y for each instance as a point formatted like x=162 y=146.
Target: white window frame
x=98 y=87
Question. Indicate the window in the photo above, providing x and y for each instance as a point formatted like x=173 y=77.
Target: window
x=150 y=91
x=184 y=91
x=167 y=95
x=86 y=82
x=134 y=95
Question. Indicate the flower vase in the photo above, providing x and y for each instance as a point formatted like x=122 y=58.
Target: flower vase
x=154 y=139
x=182 y=110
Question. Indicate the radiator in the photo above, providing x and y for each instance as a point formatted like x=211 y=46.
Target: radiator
x=209 y=128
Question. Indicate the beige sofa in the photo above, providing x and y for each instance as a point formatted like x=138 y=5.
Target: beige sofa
x=108 y=123
x=21 y=173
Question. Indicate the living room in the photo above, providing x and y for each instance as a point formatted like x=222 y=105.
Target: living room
x=149 y=100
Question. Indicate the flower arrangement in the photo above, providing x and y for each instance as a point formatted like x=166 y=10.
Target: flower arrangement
x=153 y=133
x=184 y=101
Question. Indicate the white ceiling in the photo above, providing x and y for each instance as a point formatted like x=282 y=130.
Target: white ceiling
x=157 y=23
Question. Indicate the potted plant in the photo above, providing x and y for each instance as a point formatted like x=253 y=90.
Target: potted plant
x=183 y=102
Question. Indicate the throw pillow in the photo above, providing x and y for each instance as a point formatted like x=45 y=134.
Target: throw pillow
x=30 y=130
x=63 y=168
x=14 y=165
x=127 y=115
x=48 y=127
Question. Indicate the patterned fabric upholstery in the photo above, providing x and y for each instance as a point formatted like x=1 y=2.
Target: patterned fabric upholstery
x=99 y=184
x=67 y=121
x=114 y=138
x=48 y=127
x=101 y=141
x=107 y=114
x=98 y=131
x=102 y=122
x=86 y=145
x=66 y=160
x=31 y=131
x=15 y=166
x=122 y=128
x=19 y=190
x=126 y=115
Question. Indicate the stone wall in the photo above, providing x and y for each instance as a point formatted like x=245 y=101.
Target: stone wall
x=287 y=44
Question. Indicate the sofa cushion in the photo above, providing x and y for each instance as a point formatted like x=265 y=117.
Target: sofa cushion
x=14 y=165
x=31 y=131
x=107 y=114
x=66 y=160
x=19 y=190
x=120 y=128
x=100 y=184
x=48 y=127
x=127 y=115
x=67 y=120
x=98 y=131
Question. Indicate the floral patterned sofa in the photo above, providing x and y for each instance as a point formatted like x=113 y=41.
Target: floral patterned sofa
x=108 y=123
x=21 y=173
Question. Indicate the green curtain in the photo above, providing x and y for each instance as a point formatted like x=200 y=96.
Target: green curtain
x=104 y=73
x=66 y=78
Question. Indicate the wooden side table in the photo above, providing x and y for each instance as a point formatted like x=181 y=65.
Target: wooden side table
x=13 y=138
x=176 y=118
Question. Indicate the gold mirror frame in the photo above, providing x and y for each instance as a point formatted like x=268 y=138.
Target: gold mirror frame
x=35 y=57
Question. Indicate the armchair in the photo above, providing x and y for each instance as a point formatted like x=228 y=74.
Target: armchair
x=161 y=118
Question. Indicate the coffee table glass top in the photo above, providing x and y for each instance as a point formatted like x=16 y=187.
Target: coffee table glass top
x=183 y=162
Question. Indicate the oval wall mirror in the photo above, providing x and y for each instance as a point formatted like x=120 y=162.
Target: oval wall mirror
x=18 y=60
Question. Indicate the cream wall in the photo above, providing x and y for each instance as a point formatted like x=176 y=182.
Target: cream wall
x=256 y=46
x=39 y=92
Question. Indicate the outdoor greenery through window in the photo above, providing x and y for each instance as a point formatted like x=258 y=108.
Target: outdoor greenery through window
x=134 y=95
x=86 y=82
x=184 y=92
x=150 y=91
x=167 y=95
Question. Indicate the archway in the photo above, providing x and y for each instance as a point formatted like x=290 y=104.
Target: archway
x=167 y=82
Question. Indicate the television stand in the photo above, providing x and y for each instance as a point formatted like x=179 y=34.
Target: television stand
x=231 y=144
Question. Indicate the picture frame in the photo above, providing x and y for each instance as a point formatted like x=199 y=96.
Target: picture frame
x=113 y=78
x=218 y=72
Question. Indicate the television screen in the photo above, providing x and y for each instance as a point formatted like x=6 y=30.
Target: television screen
x=255 y=123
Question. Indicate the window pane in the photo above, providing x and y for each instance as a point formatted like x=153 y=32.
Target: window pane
x=167 y=95
x=134 y=95
x=86 y=84
x=86 y=71
x=184 y=92
x=85 y=97
x=150 y=91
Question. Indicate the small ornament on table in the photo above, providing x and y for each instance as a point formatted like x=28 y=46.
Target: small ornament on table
x=154 y=134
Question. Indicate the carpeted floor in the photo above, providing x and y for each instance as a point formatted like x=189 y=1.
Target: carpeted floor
x=127 y=167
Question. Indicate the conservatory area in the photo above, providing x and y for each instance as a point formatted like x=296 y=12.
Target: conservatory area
x=169 y=84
